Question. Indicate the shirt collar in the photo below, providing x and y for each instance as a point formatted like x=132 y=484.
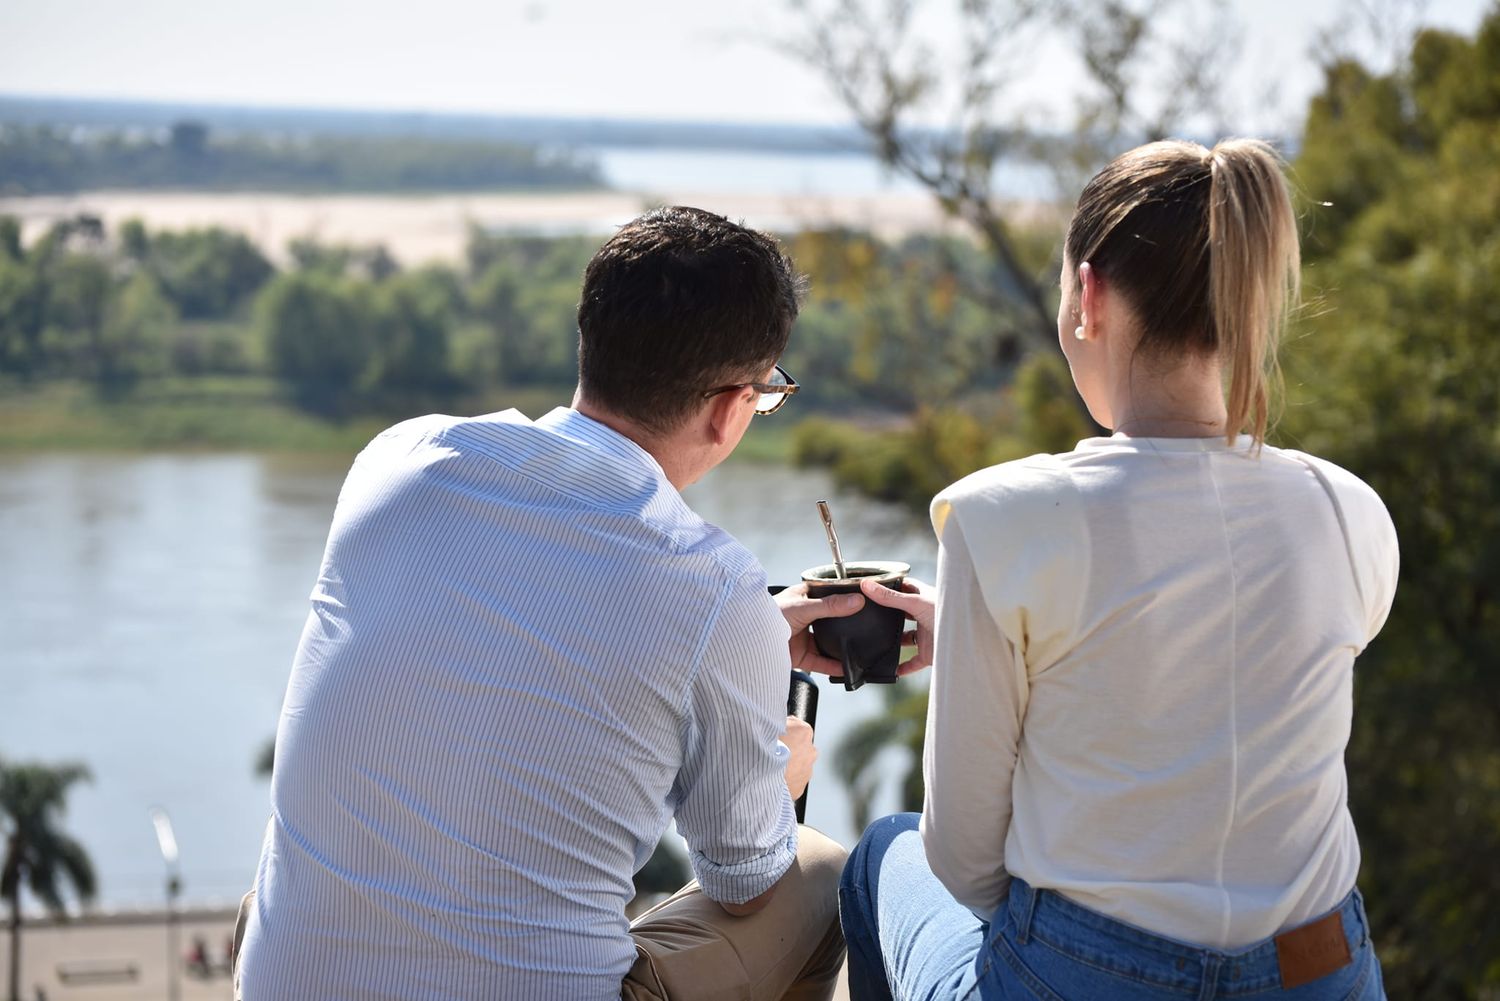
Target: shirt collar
x=1129 y=443
x=571 y=424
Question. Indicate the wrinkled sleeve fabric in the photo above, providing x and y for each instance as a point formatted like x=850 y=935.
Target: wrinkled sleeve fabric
x=731 y=800
x=978 y=700
x=1381 y=563
x=1369 y=534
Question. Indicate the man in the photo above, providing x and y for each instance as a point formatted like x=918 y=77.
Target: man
x=526 y=656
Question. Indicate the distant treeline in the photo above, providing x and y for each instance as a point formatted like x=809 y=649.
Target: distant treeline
x=347 y=330
x=529 y=130
x=40 y=159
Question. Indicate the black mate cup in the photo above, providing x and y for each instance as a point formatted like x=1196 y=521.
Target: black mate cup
x=867 y=643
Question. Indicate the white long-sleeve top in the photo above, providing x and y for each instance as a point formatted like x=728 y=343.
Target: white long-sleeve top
x=1143 y=679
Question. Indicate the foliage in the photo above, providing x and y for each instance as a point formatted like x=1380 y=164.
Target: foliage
x=42 y=160
x=1395 y=378
x=201 y=412
x=39 y=857
x=1146 y=67
x=908 y=463
x=346 y=332
x=887 y=326
x=859 y=756
x=316 y=332
x=204 y=272
x=413 y=319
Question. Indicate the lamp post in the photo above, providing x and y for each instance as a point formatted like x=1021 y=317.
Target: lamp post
x=167 y=842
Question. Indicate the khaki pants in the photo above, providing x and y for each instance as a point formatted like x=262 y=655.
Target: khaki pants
x=688 y=948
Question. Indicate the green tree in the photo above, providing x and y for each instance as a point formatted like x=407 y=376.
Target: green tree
x=318 y=336
x=909 y=464
x=414 y=316
x=1396 y=379
x=494 y=296
x=207 y=273
x=1393 y=374
x=79 y=286
x=1145 y=68
x=39 y=856
x=858 y=759
x=133 y=342
x=332 y=260
x=23 y=305
x=10 y=238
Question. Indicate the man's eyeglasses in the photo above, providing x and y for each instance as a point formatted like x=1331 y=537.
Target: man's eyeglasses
x=773 y=394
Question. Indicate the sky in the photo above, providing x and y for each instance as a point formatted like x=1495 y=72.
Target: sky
x=714 y=60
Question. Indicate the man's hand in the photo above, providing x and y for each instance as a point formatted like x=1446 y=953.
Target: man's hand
x=800 y=611
x=799 y=765
x=919 y=601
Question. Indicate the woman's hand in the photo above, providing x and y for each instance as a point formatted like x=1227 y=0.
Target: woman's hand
x=919 y=601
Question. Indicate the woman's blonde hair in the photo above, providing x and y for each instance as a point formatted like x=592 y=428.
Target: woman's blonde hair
x=1203 y=244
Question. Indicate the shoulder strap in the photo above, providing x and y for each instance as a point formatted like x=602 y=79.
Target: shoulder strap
x=1338 y=511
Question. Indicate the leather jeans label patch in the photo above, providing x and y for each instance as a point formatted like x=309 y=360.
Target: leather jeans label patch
x=1312 y=951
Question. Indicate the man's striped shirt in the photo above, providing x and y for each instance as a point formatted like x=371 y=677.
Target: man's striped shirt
x=525 y=656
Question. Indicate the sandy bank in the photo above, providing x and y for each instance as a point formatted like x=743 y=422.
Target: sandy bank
x=435 y=227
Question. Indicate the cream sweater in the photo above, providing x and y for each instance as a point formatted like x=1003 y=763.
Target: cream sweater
x=1143 y=682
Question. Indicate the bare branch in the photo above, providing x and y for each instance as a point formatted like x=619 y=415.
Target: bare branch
x=1146 y=81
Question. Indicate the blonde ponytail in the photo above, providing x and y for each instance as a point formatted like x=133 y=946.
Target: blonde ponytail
x=1204 y=243
x=1254 y=274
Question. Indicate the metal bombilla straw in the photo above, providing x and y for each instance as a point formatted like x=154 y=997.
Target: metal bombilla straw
x=838 y=565
x=833 y=538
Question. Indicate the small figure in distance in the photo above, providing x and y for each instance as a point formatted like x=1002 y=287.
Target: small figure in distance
x=197 y=963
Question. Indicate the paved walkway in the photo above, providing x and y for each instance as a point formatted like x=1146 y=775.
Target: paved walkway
x=124 y=958
x=120 y=958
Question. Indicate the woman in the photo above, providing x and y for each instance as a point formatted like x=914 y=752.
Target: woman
x=1144 y=648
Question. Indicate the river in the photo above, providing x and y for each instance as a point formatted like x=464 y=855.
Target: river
x=150 y=605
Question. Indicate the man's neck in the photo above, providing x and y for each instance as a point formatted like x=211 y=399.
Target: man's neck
x=664 y=449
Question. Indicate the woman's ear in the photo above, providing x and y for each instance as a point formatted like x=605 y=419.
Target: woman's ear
x=1090 y=302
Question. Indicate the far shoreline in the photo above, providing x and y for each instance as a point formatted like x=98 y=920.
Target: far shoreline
x=419 y=228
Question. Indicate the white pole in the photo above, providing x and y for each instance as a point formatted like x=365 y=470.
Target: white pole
x=167 y=842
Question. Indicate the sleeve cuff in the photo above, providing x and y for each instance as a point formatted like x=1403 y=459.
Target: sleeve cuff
x=742 y=881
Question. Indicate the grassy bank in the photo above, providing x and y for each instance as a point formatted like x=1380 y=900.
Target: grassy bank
x=210 y=414
x=247 y=414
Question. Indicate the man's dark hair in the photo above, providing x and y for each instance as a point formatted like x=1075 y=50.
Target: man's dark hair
x=678 y=302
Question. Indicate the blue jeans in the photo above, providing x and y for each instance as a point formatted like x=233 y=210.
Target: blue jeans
x=908 y=939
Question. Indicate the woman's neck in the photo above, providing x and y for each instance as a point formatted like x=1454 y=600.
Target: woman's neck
x=1184 y=401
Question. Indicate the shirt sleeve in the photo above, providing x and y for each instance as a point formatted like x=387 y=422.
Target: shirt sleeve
x=1369 y=535
x=731 y=800
x=1385 y=562
x=978 y=700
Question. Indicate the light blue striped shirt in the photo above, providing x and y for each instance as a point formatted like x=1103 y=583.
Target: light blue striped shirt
x=525 y=656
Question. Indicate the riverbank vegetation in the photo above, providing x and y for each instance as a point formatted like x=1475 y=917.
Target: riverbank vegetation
x=134 y=338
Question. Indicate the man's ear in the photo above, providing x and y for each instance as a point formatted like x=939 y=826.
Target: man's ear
x=722 y=411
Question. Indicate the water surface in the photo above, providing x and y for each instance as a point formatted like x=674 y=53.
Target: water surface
x=150 y=606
